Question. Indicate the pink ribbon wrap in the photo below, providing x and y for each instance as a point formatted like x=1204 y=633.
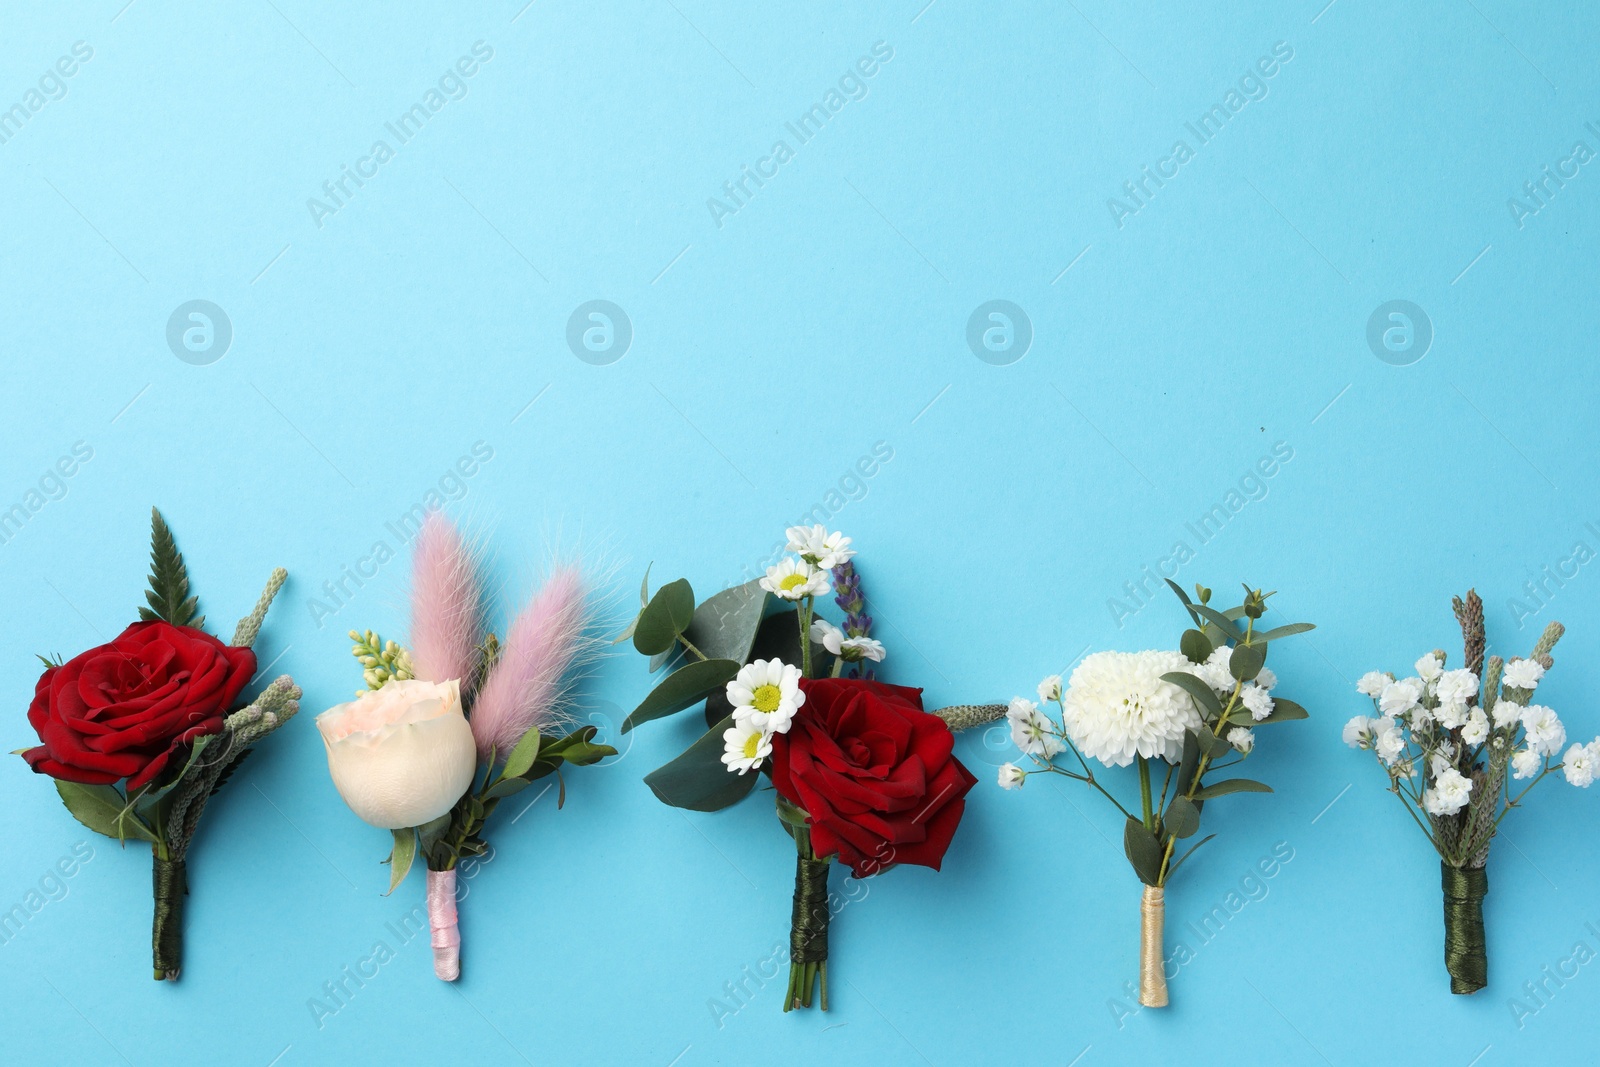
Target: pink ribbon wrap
x=442 y=923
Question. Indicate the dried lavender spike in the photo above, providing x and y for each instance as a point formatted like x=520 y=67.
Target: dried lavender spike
x=1469 y=614
x=1547 y=641
x=965 y=716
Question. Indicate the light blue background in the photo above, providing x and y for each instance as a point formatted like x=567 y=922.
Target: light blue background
x=769 y=354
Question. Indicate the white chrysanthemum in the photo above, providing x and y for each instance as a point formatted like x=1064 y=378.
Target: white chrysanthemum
x=1397 y=698
x=1507 y=713
x=1266 y=679
x=1451 y=792
x=745 y=745
x=1429 y=666
x=1031 y=730
x=1117 y=706
x=849 y=649
x=1543 y=729
x=1523 y=673
x=1578 y=766
x=1457 y=686
x=1358 y=731
x=795 y=579
x=1012 y=776
x=1256 y=699
x=1476 y=727
x=766 y=694
x=1390 y=741
x=816 y=545
x=1050 y=689
x=1242 y=739
x=1451 y=715
x=1372 y=684
x=1526 y=763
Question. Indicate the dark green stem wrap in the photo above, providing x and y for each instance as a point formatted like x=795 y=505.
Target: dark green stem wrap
x=1465 y=956
x=171 y=884
x=808 y=929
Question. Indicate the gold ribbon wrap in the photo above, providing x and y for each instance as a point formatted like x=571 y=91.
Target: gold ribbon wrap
x=1152 y=978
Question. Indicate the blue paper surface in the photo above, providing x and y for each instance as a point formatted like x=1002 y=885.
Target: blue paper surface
x=287 y=269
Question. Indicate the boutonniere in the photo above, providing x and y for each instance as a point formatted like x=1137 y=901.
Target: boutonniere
x=140 y=733
x=1180 y=716
x=458 y=720
x=862 y=774
x=1455 y=753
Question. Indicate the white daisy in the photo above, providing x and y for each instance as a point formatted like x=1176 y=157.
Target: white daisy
x=1372 y=683
x=795 y=579
x=745 y=745
x=849 y=649
x=1256 y=699
x=1012 y=776
x=1032 y=731
x=766 y=694
x=816 y=545
x=1242 y=739
x=1523 y=673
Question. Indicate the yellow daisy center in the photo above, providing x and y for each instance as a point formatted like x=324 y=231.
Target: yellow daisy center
x=766 y=698
x=791 y=581
x=752 y=745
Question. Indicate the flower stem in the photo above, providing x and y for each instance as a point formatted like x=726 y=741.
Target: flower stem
x=1144 y=794
x=808 y=930
x=170 y=883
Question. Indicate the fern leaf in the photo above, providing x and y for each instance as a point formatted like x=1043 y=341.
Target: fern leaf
x=168 y=595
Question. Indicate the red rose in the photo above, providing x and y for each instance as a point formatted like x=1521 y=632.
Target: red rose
x=119 y=710
x=875 y=773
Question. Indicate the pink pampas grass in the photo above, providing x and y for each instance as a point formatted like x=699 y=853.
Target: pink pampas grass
x=527 y=685
x=446 y=606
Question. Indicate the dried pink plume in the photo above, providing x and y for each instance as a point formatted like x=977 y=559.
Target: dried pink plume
x=446 y=606
x=528 y=685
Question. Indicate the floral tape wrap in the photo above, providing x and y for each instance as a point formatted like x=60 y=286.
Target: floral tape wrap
x=1152 y=978
x=442 y=923
x=170 y=882
x=808 y=929
x=1464 y=953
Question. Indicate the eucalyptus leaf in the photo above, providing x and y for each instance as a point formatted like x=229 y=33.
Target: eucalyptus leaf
x=1143 y=850
x=1196 y=646
x=1203 y=694
x=698 y=779
x=1192 y=848
x=1190 y=760
x=1220 y=621
x=103 y=809
x=405 y=850
x=1284 y=711
x=506 y=787
x=666 y=616
x=1184 y=597
x=1285 y=631
x=523 y=755
x=1232 y=785
x=725 y=626
x=1182 y=818
x=687 y=685
x=1246 y=661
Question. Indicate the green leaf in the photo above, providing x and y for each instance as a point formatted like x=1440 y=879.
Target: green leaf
x=698 y=779
x=169 y=581
x=583 y=754
x=405 y=850
x=1220 y=621
x=1210 y=744
x=103 y=809
x=1143 y=850
x=666 y=616
x=1187 y=603
x=1182 y=818
x=1196 y=646
x=1232 y=785
x=523 y=755
x=506 y=787
x=725 y=626
x=777 y=637
x=431 y=832
x=1284 y=711
x=1179 y=861
x=1285 y=631
x=687 y=685
x=1246 y=661
x=644 y=599
x=1191 y=758
x=1203 y=694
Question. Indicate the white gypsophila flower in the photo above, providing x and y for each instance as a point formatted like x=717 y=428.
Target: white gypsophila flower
x=1543 y=729
x=1450 y=715
x=1265 y=678
x=1214 y=671
x=1406 y=768
x=1050 y=689
x=1031 y=730
x=1242 y=739
x=1390 y=742
x=1429 y=666
x=766 y=694
x=816 y=545
x=1255 y=698
x=1358 y=731
x=1476 y=727
x=1012 y=776
x=1523 y=673
x=795 y=579
x=1457 y=686
x=1438 y=763
x=1578 y=766
x=1594 y=750
x=1117 y=706
x=1526 y=763
x=1397 y=698
x=1507 y=713
x=745 y=745
x=1451 y=792
x=1419 y=717
x=1372 y=684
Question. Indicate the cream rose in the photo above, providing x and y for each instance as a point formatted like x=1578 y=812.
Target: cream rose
x=401 y=755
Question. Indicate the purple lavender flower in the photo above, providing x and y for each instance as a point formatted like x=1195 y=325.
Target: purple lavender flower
x=857 y=623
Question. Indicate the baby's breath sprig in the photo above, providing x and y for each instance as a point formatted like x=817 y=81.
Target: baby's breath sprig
x=384 y=660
